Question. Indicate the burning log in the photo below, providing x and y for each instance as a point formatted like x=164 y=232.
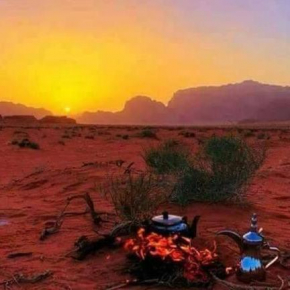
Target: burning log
x=172 y=260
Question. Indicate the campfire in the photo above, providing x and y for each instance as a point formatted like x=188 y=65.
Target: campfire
x=172 y=259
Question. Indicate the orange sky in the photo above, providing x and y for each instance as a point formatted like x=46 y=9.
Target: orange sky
x=96 y=54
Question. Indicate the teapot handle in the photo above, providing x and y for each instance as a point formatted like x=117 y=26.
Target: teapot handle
x=276 y=258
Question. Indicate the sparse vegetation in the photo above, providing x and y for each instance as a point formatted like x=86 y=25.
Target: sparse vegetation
x=249 y=134
x=135 y=198
x=170 y=156
x=26 y=143
x=187 y=134
x=148 y=133
x=222 y=170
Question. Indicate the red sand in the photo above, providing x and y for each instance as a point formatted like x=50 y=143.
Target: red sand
x=34 y=185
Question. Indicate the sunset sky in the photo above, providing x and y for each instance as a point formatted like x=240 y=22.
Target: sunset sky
x=95 y=54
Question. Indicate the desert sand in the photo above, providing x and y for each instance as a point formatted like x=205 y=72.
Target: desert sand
x=34 y=185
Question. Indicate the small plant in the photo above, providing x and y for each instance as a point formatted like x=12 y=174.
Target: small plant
x=191 y=185
x=249 y=134
x=187 y=134
x=148 y=133
x=26 y=143
x=135 y=198
x=168 y=157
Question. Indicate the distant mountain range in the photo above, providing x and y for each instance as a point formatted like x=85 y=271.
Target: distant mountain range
x=9 y=109
x=240 y=102
x=248 y=100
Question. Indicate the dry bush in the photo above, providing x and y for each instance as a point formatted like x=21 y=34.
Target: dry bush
x=26 y=143
x=222 y=171
x=187 y=134
x=148 y=133
x=135 y=197
x=168 y=157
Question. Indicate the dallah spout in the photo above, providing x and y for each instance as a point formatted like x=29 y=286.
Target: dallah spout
x=235 y=236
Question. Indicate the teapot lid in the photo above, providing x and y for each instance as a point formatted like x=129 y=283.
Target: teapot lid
x=253 y=237
x=167 y=220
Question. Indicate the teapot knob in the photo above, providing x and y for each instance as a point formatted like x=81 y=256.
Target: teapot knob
x=254 y=222
x=165 y=215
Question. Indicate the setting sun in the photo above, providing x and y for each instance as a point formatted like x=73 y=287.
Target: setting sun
x=67 y=110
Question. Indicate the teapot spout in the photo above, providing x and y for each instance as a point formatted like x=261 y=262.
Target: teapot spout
x=235 y=236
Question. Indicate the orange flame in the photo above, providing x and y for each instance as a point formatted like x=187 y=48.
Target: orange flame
x=174 y=248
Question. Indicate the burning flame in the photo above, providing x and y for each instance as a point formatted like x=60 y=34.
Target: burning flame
x=174 y=248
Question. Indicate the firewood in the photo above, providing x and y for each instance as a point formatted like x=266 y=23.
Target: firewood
x=96 y=216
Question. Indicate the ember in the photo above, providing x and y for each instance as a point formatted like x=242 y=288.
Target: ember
x=174 y=250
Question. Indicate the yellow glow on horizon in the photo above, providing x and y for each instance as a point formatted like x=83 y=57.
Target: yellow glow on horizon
x=95 y=55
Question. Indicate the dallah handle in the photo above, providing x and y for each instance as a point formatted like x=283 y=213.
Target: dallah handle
x=276 y=258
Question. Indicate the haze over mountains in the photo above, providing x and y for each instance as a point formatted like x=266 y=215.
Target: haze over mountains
x=248 y=100
x=9 y=109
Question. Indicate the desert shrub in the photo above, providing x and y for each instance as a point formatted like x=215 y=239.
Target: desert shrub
x=191 y=185
x=187 y=134
x=249 y=134
x=170 y=156
x=135 y=198
x=148 y=133
x=222 y=170
x=231 y=159
x=26 y=143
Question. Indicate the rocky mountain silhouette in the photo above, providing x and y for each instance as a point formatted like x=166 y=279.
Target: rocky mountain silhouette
x=240 y=102
x=248 y=100
x=9 y=109
x=138 y=110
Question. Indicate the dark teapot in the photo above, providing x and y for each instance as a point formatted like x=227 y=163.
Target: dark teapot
x=167 y=224
x=251 y=267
